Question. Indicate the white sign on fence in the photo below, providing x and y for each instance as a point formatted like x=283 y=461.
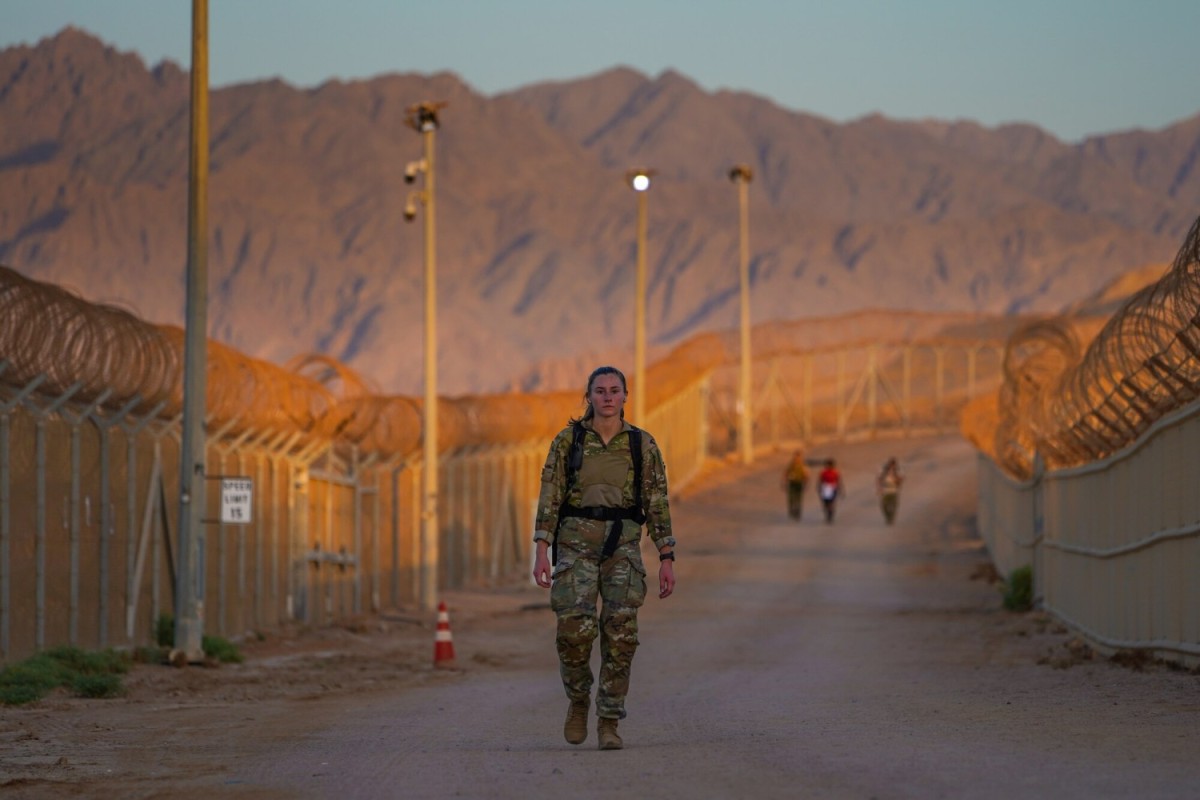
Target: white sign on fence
x=237 y=500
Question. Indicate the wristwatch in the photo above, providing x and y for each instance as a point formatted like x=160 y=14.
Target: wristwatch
x=667 y=556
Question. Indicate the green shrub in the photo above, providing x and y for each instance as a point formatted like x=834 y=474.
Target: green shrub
x=70 y=658
x=97 y=685
x=151 y=655
x=96 y=662
x=42 y=669
x=1018 y=589
x=113 y=662
x=222 y=650
x=88 y=674
x=18 y=694
x=164 y=630
x=29 y=680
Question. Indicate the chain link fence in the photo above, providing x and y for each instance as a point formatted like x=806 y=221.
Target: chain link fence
x=90 y=402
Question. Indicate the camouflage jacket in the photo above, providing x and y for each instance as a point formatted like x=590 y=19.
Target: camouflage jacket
x=605 y=479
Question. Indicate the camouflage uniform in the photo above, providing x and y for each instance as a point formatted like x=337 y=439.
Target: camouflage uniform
x=605 y=479
x=888 y=486
x=795 y=477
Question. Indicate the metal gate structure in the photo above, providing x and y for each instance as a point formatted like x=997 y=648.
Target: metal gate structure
x=857 y=391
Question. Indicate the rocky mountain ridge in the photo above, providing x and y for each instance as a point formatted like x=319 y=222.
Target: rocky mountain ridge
x=536 y=245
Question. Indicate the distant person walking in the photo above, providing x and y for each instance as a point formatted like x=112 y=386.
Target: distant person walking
x=602 y=481
x=795 y=476
x=887 y=486
x=830 y=488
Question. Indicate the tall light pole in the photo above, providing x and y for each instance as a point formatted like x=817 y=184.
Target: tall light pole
x=742 y=175
x=423 y=118
x=639 y=181
x=189 y=580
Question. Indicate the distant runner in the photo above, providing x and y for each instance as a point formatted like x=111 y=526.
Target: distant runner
x=830 y=488
x=887 y=486
x=795 y=476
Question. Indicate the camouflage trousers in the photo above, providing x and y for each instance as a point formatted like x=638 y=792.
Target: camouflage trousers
x=620 y=586
x=889 y=503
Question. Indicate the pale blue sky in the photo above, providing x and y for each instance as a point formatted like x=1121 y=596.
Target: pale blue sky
x=1073 y=67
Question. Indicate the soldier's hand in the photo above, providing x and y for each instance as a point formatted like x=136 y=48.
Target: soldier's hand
x=666 y=579
x=542 y=569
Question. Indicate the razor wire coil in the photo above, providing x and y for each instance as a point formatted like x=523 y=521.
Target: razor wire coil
x=1143 y=364
x=1068 y=404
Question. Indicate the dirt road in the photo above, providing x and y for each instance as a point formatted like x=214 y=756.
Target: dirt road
x=852 y=660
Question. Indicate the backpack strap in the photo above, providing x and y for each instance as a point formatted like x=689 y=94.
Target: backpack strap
x=574 y=464
x=635 y=451
x=575 y=457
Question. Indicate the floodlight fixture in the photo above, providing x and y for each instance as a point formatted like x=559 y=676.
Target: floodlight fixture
x=639 y=179
x=423 y=117
x=741 y=172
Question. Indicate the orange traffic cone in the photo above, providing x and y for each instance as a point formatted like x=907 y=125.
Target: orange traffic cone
x=443 y=643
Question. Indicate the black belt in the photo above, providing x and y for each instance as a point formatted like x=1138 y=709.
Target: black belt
x=607 y=514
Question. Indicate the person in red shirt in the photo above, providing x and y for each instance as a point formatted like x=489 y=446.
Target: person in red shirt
x=830 y=488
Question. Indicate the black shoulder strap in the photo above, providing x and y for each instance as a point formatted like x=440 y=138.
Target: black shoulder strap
x=575 y=456
x=574 y=464
x=635 y=451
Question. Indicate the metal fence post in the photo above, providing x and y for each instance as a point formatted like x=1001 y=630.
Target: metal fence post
x=907 y=389
x=41 y=415
x=872 y=389
x=76 y=421
x=132 y=432
x=103 y=427
x=939 y=392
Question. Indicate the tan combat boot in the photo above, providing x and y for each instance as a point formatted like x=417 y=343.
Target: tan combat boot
x=575 y=728
x=607 y=730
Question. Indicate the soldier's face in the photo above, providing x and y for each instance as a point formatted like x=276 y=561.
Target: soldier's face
x=607 y=396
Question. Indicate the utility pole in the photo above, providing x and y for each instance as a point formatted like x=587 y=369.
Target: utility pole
x=423 y=118
x=639 y=181
x=189 y=590
x=742 y=175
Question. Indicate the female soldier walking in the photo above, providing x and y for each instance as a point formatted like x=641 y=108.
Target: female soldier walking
x=602 y=481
